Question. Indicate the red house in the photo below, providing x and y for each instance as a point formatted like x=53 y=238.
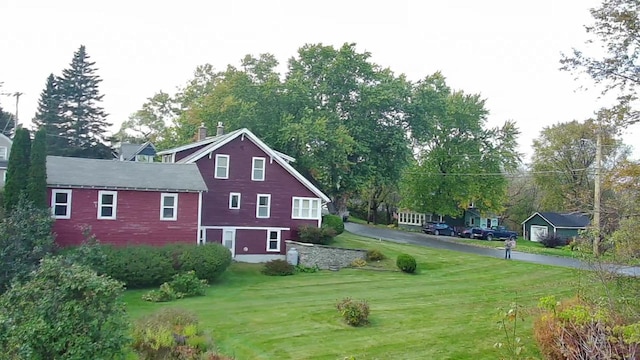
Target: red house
x=124 y=202
x=255 y=200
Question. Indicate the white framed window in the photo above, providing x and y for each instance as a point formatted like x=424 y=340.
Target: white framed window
x=3 y=153
x=107 y=204
x=257 y=168
x=144 y=158
x=263 y=206
x=305 y=208
x=61 y=204
x=168 y=206
x=273 y=240
x=222 y=167
x=234 y=201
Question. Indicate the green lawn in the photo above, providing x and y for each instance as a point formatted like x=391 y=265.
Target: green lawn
x=523 y=246
x=446 y=311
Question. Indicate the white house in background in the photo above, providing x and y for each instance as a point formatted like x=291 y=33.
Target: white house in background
x=5 y=150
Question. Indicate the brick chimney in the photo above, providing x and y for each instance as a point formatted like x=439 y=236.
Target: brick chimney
x=202 y=132
x=219 y=129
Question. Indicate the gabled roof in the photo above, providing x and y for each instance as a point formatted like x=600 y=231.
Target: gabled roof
x=567 y=221
x=214 y=143
x=6 y=137
x=128 y=151
x=126 y=175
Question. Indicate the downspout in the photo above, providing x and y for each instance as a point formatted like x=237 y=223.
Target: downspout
x=200 y=238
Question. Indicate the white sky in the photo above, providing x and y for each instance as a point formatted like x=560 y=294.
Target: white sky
x=504 y=49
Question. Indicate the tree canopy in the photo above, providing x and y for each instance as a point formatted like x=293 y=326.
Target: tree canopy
x=17 y=169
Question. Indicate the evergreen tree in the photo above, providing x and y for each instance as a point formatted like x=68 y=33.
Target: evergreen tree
x=7 y=123
x=85 y=121
x=17 y=169
x=37 y=186
x=49 y=117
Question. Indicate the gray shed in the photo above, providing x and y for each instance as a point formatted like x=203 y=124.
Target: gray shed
x=538 y=225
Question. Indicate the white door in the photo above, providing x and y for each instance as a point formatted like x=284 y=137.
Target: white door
x=229 y=240
x=538 y=232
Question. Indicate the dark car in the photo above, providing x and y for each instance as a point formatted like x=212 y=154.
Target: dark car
x=438 y=229
x=466 y=233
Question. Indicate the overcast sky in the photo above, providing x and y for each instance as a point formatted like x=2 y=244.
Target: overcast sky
x=504 y=49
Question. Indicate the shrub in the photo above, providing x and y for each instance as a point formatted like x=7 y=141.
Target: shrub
x=315 y=235
x=375 y=255
x=90 y=253
x=207 y=261
x=553 y=241
x=25 y=238
x=355 y=313
x=307 y=269
x=333 y=222
x=278 y=267
x=406 y=263
x=138 y=266
x=170 y=334
x=187 y=284
x=578 y=330
x=65 y=311
x=359 y=263
x=164 y=294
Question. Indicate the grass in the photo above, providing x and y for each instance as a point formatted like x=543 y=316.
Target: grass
x=523 y=246
x=448 y=310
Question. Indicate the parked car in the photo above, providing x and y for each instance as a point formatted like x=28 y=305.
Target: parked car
x=465 y=233
x=438 y=229
x=495 y=232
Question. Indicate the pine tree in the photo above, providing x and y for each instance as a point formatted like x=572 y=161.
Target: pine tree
x=17 y=169
x=85 y=121
x=49 y=117
x=7 y=123
x=37 y=186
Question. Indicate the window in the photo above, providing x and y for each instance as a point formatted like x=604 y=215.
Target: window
x=107 y=204
x=305 y=208
x=167 y=158
x=3 y=153
x=263 y=206
x=273 y=240
x=234 y=201
x=168 y=206
x=61 y=204
x=257 y=169
x=222 y=167
x=144 y=158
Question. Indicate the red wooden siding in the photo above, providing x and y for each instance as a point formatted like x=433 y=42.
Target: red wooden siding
x=183 y=154
x=278 y=182
x=255 y=240
x=138 y=219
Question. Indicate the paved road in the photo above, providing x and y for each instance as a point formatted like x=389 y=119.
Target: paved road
x=442 y=242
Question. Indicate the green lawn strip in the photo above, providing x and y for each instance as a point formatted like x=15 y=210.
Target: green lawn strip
x=446 y=311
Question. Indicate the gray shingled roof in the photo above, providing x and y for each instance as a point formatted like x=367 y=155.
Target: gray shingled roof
x=113 y=174
x=573 y=220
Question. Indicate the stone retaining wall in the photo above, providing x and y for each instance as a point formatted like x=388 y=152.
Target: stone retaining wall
x=323 y=256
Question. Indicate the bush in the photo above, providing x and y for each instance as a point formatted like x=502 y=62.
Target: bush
x=375 y=255
x=182 y=285
x=333 y=222
x=553 y=241
x=578 y=330
x=355 y=313
x=314 y=235
x=65 y=311
x=138 y=266
x=170 y=334
x=25 y=238
x=359 y=263
x=278 y=268
x=164 y=294
x=208 y=261
x=406 y=263
x=307 y=269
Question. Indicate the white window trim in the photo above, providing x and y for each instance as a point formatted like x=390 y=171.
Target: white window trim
x=114 y=213
x=231 y=195
x=311 y=206
x=254 y=168
x=175 y=206
x=215 y=170
x=233 y=240
x=268 y=196
x=3 y=153
x=269 y=231
x=53 y=203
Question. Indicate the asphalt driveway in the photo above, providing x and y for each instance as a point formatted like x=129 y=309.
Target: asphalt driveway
x=443 y=242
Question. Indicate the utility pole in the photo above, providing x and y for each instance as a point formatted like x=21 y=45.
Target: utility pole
x=596 y=194
x=17 y=94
